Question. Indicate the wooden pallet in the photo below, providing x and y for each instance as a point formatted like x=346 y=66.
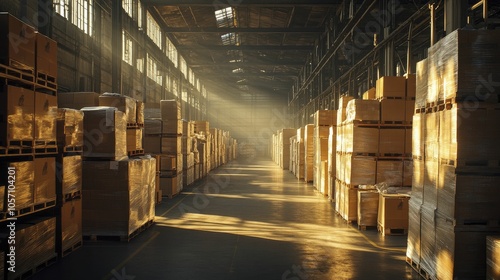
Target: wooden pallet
x=122 y=238
x=16 y=151
x=11 y=73
x=45 y=150
x=46 y=80
x=70 y=249
x=135 y=153
x=135 y=125
x=77 y=194
x=420 y=110
x=72 y=149
x=391 y=97
x=392 y=231
x=37 y=268
x=28 y=209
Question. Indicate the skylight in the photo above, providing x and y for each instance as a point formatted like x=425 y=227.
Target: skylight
x=225 y=17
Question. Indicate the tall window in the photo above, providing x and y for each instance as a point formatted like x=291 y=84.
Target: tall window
x=153 y=30
x=62 y=7
x=82 y=15
x=171 y=52
x=128 y=7
x=139 y=13
x=152 y=70
x=183 y=66
x=127 y=53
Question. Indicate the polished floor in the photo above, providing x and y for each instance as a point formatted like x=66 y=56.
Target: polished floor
x=247 y=220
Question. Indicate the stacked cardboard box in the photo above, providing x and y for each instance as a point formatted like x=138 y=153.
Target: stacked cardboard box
x=163 y=137
x=454 y=192
x=300 y=154
x=493 y=257
x=70 y=130
x=309 y=153
x=323 y=120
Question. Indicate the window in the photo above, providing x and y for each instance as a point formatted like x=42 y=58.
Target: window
x=127 y=53
x=230 y=39
x=168 y=83
x=183 y=67
x=171 y=52
x=82 y=15
x=128 y=7
x=153 y=30
x=175 y=87
x=152 y=71
x=62 y=7
x=225 y=17
x=139 y=14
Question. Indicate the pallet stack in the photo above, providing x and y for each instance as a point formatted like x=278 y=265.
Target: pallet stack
x=300 y=154
x=323 y=120
x=163 y=137
x=455 y=202
x=309 y=153
x=202 y=130
x=28 y=143
x=293 y=154
x=108 y=172
x=187 y=153
x=69 y=181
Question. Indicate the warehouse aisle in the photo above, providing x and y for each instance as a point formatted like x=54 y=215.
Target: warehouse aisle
x=248 y=220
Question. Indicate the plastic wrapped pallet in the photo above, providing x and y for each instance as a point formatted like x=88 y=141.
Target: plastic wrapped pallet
x=332 y=138
x=421 y=83
x=417 y=185
x=468 y=197
x=390 y=172
x=393 y=111
x=338 y=195
x=414 y=230
x=428 y=251
x=16 y=114
x=19 y=54
x=462 y=128
x=462 y=71
x=309 y=155
x=433 y=75
x=151 y=112
x=45 y=117
x=69 y=226
x=171 y=145
x=360 y=170
x=105 y=133
x=350 y=212
x=123 y=103
x=493 y=257
x=363 y=110
x=325 y=118
x=418 y=136
x=25 y=183
x=460 y=253
x=134 y=139
x=35 y=245
x=370 y=94
x=431 y=136
x=130 y=184
x=45 y=180
x=69 y=127
x=367 y=207
x=341 y=112
x=170 y=110
x=360 y=139
x=69 y=174
x=201 y=126
x=171 y=186
x=391 y=86
x=188 y=161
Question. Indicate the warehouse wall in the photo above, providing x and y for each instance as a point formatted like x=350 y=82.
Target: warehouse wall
x=85 y=62
x=252 y=117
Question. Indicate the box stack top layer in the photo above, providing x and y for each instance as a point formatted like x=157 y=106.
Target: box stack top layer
x=77 y=100
x=363 y=110
x=170 y=109
x=125 y=104
x=325 y=118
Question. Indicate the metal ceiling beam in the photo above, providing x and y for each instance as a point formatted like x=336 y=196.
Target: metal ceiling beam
x=236 y=3
x=242 y=30
x=244 y=75
x=247 y=47
x=249 y=63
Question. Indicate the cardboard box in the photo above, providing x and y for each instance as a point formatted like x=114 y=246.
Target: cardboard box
x=363 y=110
x=360 y=140
x=417 y=185
x=359 y=170
x=45 y=180
x=123 y=103
x=69 y=127
x=393 y=211
x=418 y=136
x=370 y=94
x=69 y=175
x=170 y=186
x=46 y=55
x=408 y=141
x=341 y=112
x=391 y=86
x=134 y=139
x=69 y=226
x=17 y=109
x=45 y=117
x=493 y=257
x=392 y=141
x=421 y=85
x=105 y=133
x=77 y=100
x=431 y=180
x=18 y=42
x=409 y=111
x=201 y=126
x=25 y=182
x=171 y=145
x=393 y=111
x=325 y=117
x=367 y=207
x=139 y=110
x=170 y=110
x=411 y=81
x=413 y=249
x=390 y=172
x=152 y=144
x=350 y=205
x=188 y=161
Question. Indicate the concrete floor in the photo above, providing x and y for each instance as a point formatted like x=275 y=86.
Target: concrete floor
x=248 y=220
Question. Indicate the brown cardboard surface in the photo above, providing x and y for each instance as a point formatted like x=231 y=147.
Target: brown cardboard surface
x=392 y=110
x=390 y=172
x=71 y=223
x=134 y=139
x=69 y=174
x=77 y=100
x=45 y=179
x=363 y=110
x=411 y=81
x=409 y=110
x=393 y=211
x=370 y=94
x=367 y=207
x=325 y=117
x=45 y=117
x=391 y=86
x=123 y=103
x=170 y=110
x=46 y=55
x=392 y=141
x=421 y=86
x=171 y=145
x=493 y=257
x=17 y=110
x=152 y=144
x=23 y=51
